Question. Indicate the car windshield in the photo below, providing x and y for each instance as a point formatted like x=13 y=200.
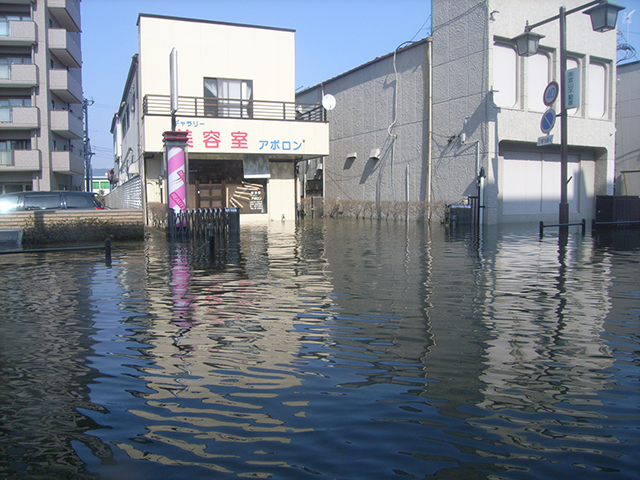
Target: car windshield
x=8 y=203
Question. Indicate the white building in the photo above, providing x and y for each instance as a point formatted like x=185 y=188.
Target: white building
x=40 y=96
x=422 y=124
x=484 y=92
x=236 y=87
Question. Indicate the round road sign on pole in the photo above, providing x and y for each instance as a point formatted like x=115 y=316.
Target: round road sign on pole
x=551 y=93
x=548 y=120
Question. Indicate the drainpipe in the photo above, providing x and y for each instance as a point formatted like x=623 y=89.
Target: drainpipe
x=429 y=125
x=480 y=175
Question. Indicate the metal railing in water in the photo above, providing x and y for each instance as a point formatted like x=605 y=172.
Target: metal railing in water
x=203 y=223
x=106 y=247
x=160 y=105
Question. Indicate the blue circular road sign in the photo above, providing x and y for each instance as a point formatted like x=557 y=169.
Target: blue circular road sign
x=548 y=120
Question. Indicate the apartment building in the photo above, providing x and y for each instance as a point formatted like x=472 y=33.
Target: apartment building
x=236 y=102
x=40 y=96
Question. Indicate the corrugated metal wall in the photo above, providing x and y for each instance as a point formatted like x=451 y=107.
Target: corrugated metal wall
x=126 y=196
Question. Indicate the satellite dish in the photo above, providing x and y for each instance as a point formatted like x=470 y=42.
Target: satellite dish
x=329 y=102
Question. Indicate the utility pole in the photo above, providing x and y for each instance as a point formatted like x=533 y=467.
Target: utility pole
x=86 y=144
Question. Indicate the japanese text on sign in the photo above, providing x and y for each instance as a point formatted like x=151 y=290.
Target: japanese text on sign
x=572 y=82
x=236 y=140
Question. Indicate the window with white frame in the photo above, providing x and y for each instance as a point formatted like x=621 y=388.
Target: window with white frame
x=225 y=97
x=571 y=64
x=597 y=89
x=537 y=80
x=505 y=79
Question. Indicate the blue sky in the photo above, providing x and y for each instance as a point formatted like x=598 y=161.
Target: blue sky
x=332 y=37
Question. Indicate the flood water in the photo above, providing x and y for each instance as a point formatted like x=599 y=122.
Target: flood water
x=334 y=349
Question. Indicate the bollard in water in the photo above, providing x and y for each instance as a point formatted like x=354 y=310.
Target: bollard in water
x=107 y=252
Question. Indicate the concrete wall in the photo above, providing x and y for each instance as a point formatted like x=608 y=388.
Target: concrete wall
x=377 y=110
x=18 y=220
x=460 y=80
x=627 y=135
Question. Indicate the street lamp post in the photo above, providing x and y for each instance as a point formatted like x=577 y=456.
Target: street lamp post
x=604 y=16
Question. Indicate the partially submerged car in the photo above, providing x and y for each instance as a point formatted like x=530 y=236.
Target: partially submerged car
x=56 y=200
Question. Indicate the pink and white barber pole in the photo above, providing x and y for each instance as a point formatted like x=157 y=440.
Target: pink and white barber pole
x=177 y=179
x=176 y=145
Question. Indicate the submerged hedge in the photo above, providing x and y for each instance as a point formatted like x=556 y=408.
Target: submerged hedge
x=78 y=231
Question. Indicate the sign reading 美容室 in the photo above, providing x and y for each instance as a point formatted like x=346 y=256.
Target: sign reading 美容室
x=572 y=82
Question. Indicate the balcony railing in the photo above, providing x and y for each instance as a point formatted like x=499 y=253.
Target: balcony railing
x=17 y=118
x=160 y=105
x=17 y=33
x=66 y=47
x=18 y=75
x=65 y=83
x=6 y=158
x=67 y=162
x=20 y=160
x=66 y=124
x=67 y=13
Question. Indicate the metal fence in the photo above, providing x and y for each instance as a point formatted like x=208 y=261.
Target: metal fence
x=128 y=195
x=617 y=211
x=201 y=224
x=230 y=108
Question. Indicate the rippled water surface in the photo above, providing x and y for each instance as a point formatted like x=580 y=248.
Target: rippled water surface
x=335 y=349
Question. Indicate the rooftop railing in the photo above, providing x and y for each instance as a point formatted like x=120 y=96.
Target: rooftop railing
x=160 y=105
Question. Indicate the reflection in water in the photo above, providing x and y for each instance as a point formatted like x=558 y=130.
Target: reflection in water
x=45 y=338
x=337 y=349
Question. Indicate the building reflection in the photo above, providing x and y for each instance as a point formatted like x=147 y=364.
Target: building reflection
x=48 y=306
x=510 y=326
x=545 y=307
x=223 y=348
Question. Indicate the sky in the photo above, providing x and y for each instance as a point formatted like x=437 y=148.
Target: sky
x=332 y=37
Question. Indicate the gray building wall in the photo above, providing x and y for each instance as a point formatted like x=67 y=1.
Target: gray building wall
x=470 y=132
x=628 y=130
x=377 y=109
x=461 y=101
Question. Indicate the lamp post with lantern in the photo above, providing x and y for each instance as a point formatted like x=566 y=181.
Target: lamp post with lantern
x=604 y=16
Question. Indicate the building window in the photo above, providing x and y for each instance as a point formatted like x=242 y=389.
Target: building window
x=505 y=73
x=15 y=145
x=22 y=101
x=537 y=81
x=125 y=122
x=597 y=90
x=15 y=59
x=13 y=187
x=225 y=97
